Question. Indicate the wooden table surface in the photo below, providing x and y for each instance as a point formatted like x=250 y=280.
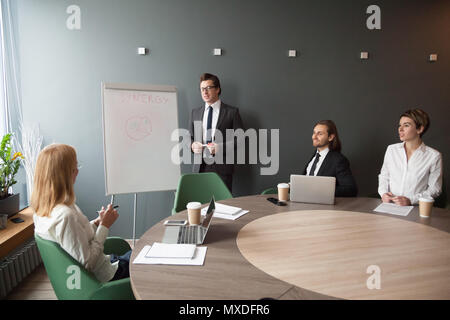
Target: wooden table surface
x=16 y=233
x=228 y=274
x=335 y=253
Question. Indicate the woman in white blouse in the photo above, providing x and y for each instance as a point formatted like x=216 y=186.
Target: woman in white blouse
x=57 y=218
x=411 y=169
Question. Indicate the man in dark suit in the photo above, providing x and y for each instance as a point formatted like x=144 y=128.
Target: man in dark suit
x=208 y=131
x=329 y=161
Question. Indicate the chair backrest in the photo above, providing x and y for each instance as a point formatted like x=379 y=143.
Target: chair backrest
x=270 y=191
x=69 y=279
x=199 y=187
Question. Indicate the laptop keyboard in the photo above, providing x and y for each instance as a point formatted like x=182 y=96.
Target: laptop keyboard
x=188 y=234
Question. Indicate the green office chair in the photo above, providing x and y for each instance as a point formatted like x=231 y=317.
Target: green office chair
x=270 y=191
x=57 y=261
x=199 y=187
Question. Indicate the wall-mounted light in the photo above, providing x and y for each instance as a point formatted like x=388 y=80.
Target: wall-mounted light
x=217 y=51
x=292 y=53
x=432 y=57
x=364 y=55
x=142 y=51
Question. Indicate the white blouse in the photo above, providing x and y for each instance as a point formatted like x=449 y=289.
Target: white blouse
x=81 y=239
x=421 y=176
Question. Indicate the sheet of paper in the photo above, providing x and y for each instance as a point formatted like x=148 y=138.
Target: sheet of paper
x=225 y=209
x=222 y=209
x=197 y=260
x=228 y=216
x=392 y=208
x=175 y=251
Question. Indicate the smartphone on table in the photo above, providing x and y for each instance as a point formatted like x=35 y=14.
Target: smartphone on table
x=175 y=222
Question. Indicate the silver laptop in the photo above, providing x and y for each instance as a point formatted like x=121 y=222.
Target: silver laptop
x=190 y=234
x=312 y=189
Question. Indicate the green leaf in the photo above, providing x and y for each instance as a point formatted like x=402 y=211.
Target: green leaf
x=8 y=167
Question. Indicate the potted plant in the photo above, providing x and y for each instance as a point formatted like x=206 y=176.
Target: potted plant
x=9 y=165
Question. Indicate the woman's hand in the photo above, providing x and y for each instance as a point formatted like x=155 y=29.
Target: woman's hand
x=97 y=221
x=401 y=201
x=387 y=197
x=108 y=217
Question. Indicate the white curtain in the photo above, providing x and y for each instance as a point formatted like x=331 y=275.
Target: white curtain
x=26 y=138
x=10 y=105
x=3 y=103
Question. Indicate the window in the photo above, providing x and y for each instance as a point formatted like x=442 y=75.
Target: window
x=3 y=97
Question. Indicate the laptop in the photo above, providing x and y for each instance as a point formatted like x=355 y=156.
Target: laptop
x=312 y=189
x=190 y=234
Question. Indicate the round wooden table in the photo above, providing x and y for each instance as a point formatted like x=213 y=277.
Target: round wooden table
x=308 y=251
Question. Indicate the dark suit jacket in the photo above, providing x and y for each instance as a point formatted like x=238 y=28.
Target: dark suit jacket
x=336 y=165
x=229 y=118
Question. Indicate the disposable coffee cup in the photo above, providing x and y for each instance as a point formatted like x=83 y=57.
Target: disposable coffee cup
x=283 y=192
x=193 y=209
x=425 y=206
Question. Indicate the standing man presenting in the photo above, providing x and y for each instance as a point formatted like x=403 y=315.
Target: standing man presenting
x=329 y=161
x=206 y=121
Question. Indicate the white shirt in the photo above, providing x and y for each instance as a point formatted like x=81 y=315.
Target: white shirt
x=323 y=154
x=81 y=239
x=421 y=176
x=215 y=116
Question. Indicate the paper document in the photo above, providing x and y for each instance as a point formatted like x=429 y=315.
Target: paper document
x=225 y=215
x=224 y=209
x=166 y=250
x=392 y=208
x=197 y=260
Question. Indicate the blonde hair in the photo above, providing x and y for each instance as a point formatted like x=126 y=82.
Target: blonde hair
x=53 y=178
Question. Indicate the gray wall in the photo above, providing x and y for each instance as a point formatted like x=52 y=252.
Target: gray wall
x=61 y=72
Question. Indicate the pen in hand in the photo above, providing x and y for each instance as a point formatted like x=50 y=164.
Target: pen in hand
x=115 y=207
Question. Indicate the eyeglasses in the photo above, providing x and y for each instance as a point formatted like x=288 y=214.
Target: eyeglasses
x=208 y=88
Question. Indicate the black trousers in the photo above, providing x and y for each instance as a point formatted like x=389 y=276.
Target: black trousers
x=226 y=178
x=123 y=270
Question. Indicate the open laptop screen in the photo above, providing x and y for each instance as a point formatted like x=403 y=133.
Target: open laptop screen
x=209 y=213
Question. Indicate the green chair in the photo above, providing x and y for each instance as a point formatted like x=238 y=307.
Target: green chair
x=57 y=263
x=199 y=187
x=270 y=191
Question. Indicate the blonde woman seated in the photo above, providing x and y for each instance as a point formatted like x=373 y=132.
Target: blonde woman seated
x=411 y=169
x=58 y=218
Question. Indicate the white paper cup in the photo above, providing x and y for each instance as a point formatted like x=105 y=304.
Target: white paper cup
x=193 y=209
x=283 y=192
x=425 y=207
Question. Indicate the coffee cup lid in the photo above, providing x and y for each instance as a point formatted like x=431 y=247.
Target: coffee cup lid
x=283 y=185
x=426 y=199
x=193 y=205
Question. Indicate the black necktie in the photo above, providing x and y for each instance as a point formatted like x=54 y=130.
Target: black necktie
x=209 y=125
x=313 y=168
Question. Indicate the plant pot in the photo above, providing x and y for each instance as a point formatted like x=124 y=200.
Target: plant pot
x=10 y=205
